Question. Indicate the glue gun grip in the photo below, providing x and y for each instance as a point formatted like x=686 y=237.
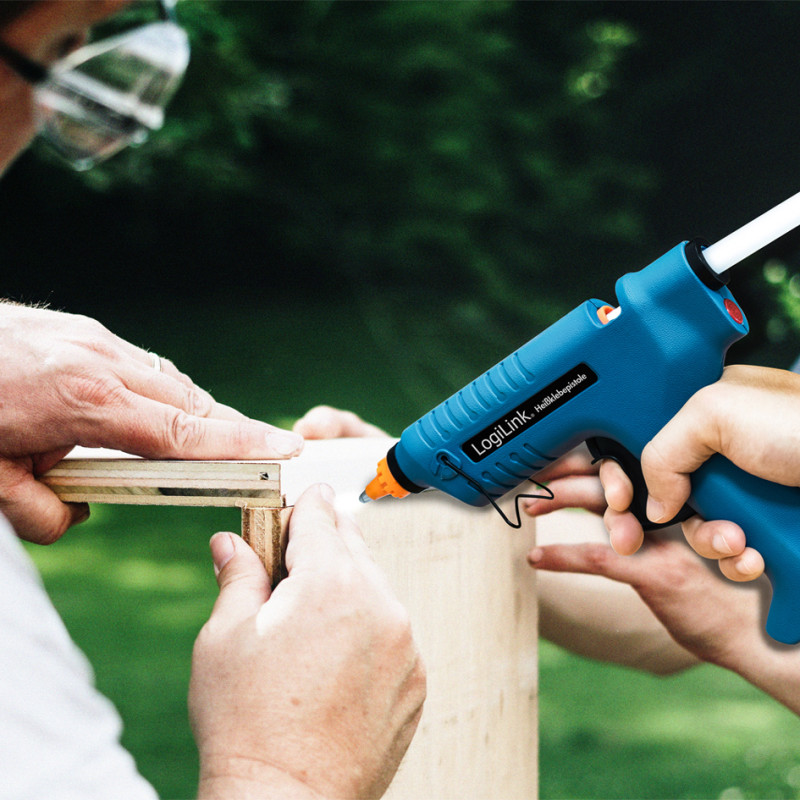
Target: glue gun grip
x=604 y=448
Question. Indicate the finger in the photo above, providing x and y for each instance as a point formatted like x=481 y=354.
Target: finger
x=668 y=459
x=315 y=543
x=173 y=388
x=153 y=376
x=151 y=429
x=42 y=462
x=34 y=511
x=572 y=492
x=242 y=578
x=624 y=531
x=146 y=358
x=746 y=566
x=576 y=462
x=222 y=411
x=354 y=539
x=325 y=422
x=715 y=538
x=617 y=485
x=361 y=557
x=588 y=559
x=93 y=337
x=160 y=365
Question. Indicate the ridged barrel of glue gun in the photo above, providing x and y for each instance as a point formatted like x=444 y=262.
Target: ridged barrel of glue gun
x=579 y=378
x=620 y=377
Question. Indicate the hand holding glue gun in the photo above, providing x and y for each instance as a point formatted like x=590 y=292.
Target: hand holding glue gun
x=614 y=378
x=752 y=417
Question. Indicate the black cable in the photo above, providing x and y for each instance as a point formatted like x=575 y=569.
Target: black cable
x=478 y=488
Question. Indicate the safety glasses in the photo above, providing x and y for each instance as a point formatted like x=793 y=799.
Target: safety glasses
x=109 y=94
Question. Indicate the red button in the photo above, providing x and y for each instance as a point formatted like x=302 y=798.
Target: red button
x=734 y=311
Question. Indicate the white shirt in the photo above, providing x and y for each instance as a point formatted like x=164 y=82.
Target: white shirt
x=59 y=737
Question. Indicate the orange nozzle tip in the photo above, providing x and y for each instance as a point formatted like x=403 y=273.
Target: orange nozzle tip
x=375 y=490
x=383 y=484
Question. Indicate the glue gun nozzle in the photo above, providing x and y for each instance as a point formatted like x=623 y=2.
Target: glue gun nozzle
x=373 y=491
x=382 y=485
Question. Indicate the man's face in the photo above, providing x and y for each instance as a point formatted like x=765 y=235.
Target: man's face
x=47 y=31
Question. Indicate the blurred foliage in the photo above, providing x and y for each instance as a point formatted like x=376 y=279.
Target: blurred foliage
x=658 y=734
x=460 y=145
x=784 y=278
x=520 y=155
x=391 y=143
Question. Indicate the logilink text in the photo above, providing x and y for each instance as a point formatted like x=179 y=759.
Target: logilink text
x=529 y=412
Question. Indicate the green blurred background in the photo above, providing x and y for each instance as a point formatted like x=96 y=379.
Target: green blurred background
x=366 y=204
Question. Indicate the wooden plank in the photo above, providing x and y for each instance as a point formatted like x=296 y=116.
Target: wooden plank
x=174 y=468
x=264 y=529
x=253 y=486
x=135 y=481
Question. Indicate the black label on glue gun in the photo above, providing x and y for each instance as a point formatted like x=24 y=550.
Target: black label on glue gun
x=529 y=412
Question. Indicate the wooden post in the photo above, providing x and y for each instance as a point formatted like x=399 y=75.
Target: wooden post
x=462 y=575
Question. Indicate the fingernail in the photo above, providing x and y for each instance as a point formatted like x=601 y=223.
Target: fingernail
x=222 y=550
x=284 y=443
x=327 y=493
x=535 y=555
x=655 y=510
x=747 y=565
x=720 y=545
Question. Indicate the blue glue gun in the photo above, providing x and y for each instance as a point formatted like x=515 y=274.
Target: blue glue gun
x=612 y=377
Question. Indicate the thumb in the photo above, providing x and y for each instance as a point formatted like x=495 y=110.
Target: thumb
x=677 y=450
x=667 y=462
x=33 y=509
x=242 y=578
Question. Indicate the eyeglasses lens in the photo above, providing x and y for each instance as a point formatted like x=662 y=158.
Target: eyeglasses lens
x=111 y=94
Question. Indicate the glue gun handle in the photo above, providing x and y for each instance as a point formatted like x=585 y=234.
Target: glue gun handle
x=769 y=515
x=602 y=448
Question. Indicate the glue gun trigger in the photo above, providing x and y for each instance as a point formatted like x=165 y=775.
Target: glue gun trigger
x=603 y=448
